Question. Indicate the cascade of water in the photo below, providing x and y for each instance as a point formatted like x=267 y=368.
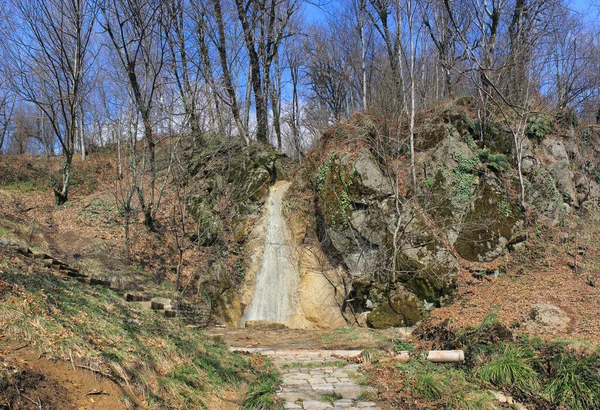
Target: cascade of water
x=277 y=278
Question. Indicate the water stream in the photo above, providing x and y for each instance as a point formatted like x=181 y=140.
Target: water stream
x=277 y=278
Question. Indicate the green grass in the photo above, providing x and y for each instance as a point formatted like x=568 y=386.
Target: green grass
x=427 y=385
x=510 y=366
x=331 y=397
x=560 y=374
x=23 y=186
x=167 y=364
x=402 y=346
x=261 y=393
x=342 y=334
x=576 y=382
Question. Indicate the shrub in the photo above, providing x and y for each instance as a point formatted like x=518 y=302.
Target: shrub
x=538 y=126
x=490 y=130
x=495 y=162
x=576 y=382
x=510 y=366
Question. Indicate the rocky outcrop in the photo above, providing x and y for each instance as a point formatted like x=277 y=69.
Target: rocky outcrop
x=361 y=216
x=465 y=205
x=371 y=246
x=559 y=168
x=489 y=223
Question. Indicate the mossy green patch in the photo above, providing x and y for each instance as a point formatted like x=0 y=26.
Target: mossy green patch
x=402 y=310
x=489 y=224
x=333 y=181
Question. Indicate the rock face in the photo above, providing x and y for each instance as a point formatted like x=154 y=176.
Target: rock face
x=465 y=205
x=371 y=246
x=361 y=216
x=559 y=168
x=489 y=223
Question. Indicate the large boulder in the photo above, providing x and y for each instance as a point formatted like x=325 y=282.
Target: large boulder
x=559 y=168
x=360 y=218
x=403 y=309
x=489 y=224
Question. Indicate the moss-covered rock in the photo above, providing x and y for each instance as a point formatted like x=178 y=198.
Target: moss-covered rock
x=428 y=270
x=404 y=309
x=252 y=171
x=430 y=135
x=542 y=194
x=210 y=226
x=489 y=224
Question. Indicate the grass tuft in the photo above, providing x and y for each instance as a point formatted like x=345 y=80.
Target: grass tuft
x=428 y=386
x=510 y=366
x=331 y=397
x=576 y=383
x=262 y=391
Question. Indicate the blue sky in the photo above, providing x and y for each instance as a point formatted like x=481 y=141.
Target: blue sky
x=314 y=13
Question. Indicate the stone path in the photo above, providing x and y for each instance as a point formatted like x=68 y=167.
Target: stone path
x=318 y=379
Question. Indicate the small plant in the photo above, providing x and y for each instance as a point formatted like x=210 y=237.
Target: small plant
x=402 y=346
x=427 y=385
x=538 y=126
x=495 y=162
x=372 y=355
x=322 y=173
x=510 y=366
x=331 y=397
x=490 y=319
x=586 y=137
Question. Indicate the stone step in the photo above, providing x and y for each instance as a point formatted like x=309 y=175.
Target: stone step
x=312 y=354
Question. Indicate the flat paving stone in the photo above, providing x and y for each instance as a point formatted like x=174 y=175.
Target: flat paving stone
x=325 y=372
x=315 y=405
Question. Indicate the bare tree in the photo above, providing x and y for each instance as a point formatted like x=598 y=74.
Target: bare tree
x=7 y=106
x=50 y=54
x=136 y=32
x=264 y=24
x=437 y=22
x=220 y=41
x=176 y=32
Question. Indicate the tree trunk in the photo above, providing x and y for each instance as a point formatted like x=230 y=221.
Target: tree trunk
x=222 y=49
x=262 y=117
x=61 y=195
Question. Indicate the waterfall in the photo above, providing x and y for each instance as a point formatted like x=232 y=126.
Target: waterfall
x=277 y=278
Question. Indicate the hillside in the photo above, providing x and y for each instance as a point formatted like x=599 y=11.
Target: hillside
x=445 y=258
